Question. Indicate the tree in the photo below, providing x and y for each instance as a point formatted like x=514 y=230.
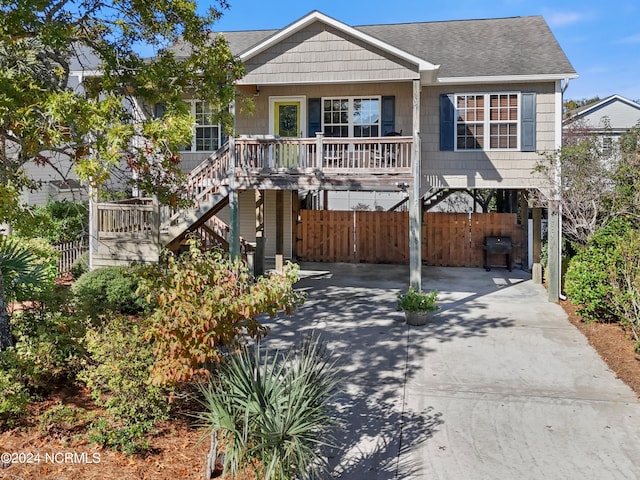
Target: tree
x=97 y=127
x=626 y=177
x=571 y=105
x=585 y=182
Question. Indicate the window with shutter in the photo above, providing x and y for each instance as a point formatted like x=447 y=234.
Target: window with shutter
x=488 y=121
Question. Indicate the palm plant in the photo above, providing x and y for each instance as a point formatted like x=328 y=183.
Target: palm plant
x=18 y=266
x=271 y=411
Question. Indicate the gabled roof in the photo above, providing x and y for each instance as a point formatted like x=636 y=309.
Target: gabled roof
x=586 y=109
x=316 y=16
x=621 y=113
x=502 y=49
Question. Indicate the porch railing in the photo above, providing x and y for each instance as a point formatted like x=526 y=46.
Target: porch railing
x=126 y=217
x=347 y=155
x=136 y=217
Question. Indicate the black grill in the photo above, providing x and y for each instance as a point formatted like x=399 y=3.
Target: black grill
x=497 y=246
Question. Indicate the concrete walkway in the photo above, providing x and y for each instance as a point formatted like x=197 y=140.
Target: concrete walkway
x=499 y=386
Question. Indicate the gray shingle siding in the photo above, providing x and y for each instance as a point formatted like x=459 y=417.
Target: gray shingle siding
x=320 y=53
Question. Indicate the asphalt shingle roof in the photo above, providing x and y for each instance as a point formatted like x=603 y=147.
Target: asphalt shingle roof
x=462 y=48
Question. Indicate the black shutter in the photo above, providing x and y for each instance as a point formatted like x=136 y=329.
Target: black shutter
x=314 y=116
x=528 y=124
x=447 y=122
x=388 y=115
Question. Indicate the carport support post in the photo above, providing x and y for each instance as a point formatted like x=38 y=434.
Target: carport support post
x=415 y=208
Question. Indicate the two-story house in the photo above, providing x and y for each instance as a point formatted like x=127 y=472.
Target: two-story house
x=416 y=107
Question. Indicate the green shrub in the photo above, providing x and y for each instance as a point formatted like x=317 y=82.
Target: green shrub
x=624 y=278
x=417 y=301
x=14 y=397
x=110 y=289
x=61 y=420
x=49 y=346
x=57 y=221
x=128 y=439
x=587 y=280
x=40 y=258
x=118 y=373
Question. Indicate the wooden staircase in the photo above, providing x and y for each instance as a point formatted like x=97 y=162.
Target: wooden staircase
x=138 y=229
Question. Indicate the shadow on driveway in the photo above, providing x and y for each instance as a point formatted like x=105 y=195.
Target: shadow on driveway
x=352 y=308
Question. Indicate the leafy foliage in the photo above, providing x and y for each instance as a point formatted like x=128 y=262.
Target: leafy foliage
x=118 y=372
x=43 y=116
x=624 y=279
x=109 y=289
x=272 y=411
x=49 y=346
x=206 y=302
x=22 y=272
x=57 y=222
x=25 y=264
x=80 y=266
x=585 y=169
x=128 y=438
x=587 y=280
x=14 y=398
x=414 y=301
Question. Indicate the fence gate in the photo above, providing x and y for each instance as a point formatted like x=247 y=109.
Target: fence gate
x=353 y=236
x=448 y=239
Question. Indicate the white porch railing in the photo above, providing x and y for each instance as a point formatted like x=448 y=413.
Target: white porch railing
x=329 y=154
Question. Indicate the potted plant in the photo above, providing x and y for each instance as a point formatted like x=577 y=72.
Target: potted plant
x=417 y=305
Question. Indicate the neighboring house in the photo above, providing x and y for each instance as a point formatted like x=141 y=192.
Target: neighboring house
x=415 y=107
x=608 y=119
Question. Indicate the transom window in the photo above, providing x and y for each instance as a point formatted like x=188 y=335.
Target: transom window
x=351 y=117
x=487 y=121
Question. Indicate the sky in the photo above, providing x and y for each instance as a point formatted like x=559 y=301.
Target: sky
x=600 y=38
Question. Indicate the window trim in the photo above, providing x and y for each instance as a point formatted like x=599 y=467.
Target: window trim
x=193 y=146
x=487 y=122
x=351 y=124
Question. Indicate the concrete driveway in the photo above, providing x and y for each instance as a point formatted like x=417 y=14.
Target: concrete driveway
x=498 y=386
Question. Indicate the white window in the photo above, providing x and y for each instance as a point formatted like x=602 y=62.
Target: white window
x=351 y=117
x=207 y=134
x=488 y=121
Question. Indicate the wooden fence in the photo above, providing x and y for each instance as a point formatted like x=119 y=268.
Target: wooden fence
x=69 y=252
x=448 y=239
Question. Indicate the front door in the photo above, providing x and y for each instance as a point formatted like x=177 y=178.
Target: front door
x=287 y=119
x=288 y=122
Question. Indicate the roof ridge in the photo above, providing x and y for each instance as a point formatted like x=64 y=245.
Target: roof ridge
x=448 y=21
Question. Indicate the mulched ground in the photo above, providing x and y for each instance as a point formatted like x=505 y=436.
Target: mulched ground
x=614 y=345
x=178 y=453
